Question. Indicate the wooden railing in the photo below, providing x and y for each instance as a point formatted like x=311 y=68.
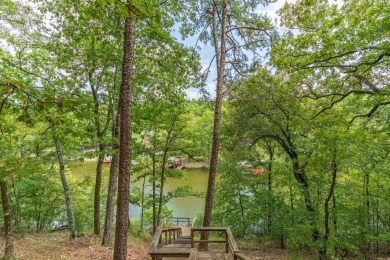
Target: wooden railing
x=230 y=243
x=180 y=221
x=165 y=236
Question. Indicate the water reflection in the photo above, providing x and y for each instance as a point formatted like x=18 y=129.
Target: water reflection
x=182 y=207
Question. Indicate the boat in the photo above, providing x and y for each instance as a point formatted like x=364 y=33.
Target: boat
x=257 y=171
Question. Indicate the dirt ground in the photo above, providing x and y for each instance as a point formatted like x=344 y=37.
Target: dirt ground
x=53 y=246
x=57 y=245
x=263 y=251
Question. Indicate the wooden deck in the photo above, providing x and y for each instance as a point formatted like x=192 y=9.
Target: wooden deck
x=177 y=243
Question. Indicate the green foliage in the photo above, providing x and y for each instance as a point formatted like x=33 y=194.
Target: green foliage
x=60 y=72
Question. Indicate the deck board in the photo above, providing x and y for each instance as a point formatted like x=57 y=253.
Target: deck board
x=180 y=248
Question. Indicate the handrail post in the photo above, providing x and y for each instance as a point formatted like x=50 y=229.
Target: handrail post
x=169 y=236
x=192 y=238
x=227 y=242
x=166 y=240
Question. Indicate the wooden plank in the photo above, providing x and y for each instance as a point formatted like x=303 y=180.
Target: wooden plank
x=232 y=242
x=192 y=256
x=210 y=241
x=241 y=257
x=170 y=251
x=156 y=237
x=192 y=238
x=208 y=228
x=213 y=255
x=181 y=241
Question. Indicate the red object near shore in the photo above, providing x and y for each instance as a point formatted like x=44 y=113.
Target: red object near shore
x=257 y=171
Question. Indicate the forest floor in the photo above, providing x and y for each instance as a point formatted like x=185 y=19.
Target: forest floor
x=57 y=245
x=263 y=251
x=53 y=246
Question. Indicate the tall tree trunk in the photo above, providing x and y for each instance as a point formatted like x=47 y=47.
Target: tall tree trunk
x=164 y=162
x=17 y=206
x=98 y=184
x=300 y=175
x=367 y=202
x=142 y=203
x=112 y=185
x=41 y=196
x=220 y=58
x=65 y=186
x=126 y=96
x=9 y=245
x=326 y=205
x=100 y=132
x=162 y=181
x=242 y=211
x=110 y=205
x=271 y=158
x=154 y=188
x=334 y=213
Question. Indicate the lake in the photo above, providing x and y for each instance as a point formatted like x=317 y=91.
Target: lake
x=182 y=207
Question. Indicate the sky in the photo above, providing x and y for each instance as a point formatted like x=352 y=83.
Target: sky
x=207 y=52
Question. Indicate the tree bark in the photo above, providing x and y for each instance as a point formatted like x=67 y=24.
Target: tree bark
x=17 y=206
x=142 y=203
x=8 y=234
x=220 y=58
x=110 y=205
x=98 y=184
x=39 y=208
x=65 y=186
x=100 y=132
x=270 y=163
x=154 y=188
x=112 y=186
x=162 y=181
x=291 y=198
x=126 y=96
x=326 y=205
x=164 y=162
x=367 y=202
x=242 y=211
x=334 y=213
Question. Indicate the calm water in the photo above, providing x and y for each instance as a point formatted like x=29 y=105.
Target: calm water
x=182 y=207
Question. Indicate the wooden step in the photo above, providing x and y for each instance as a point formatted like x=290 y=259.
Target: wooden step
x=179 y=246
x=184 y=237
x=213 y=255
x=170 y=251
x=181 y=241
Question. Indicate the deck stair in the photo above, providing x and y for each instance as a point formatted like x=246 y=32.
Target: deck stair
x=179 y=242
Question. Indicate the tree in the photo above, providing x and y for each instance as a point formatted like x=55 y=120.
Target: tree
x=269 y=98
x=126 y=92
x=337 y=51
x=112 y=185
x=234 y=29
x=68 y=201
x=9 y=250
x=93 y=63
